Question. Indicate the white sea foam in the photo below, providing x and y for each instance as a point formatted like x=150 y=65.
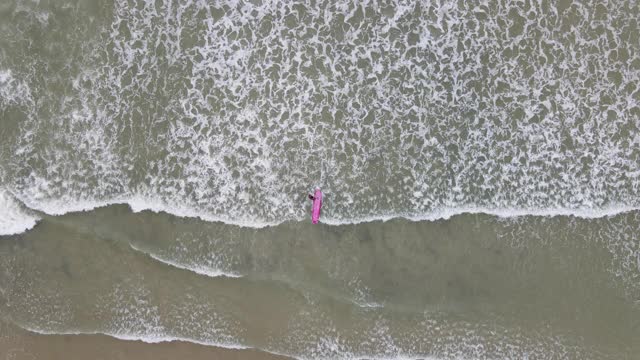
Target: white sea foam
x=13 y=91
x=14 y=219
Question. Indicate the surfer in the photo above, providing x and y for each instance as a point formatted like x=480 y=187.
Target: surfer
x=311 y=197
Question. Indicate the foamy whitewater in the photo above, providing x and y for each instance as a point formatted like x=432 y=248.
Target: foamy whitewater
x=14 y=218
x=224 y=114
x=231 y=112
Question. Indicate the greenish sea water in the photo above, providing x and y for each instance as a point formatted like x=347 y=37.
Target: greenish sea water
x=480 y=163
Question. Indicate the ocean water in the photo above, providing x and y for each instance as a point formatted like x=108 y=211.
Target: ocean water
x=480 y=162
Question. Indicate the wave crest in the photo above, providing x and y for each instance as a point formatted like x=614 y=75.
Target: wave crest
x=14 y=218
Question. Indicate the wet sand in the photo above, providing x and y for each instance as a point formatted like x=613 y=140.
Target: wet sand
x=26 y=345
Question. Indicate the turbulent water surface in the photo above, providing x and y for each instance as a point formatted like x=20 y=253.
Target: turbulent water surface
x=155 y=158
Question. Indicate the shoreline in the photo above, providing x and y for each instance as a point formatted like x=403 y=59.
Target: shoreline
x=27 y=345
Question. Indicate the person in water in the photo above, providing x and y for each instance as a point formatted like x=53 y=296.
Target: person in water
x=311 y=197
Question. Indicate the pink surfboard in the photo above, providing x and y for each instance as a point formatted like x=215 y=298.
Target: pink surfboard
x=317 y=204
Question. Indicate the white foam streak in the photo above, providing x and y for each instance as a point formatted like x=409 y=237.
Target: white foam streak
x=146 y=338
x=198 y=269
x=58 y=207
x=138 y=203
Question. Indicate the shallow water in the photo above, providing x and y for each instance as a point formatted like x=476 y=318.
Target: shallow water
x=499 y=139
x=474 y=286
